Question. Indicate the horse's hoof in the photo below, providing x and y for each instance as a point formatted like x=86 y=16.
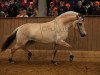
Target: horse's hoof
x=54 y=62
x=10 y=61
x=71 y=58
x=29 y=55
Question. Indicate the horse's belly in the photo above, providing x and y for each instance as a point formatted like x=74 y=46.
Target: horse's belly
x=47 y=39
x=44 y=37
x=50 y=37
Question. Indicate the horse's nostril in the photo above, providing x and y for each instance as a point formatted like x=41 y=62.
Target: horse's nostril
x=82 y=35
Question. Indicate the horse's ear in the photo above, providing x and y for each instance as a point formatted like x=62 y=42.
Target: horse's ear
x=77 y=17
x=80 y=15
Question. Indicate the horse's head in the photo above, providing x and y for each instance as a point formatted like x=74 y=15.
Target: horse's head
x=74 y=18
x=79 y=25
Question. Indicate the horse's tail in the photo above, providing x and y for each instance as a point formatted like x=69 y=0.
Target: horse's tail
x=9 y=40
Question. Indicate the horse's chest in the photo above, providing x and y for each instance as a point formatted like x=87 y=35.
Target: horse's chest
x=62 y=32
x=62 y=35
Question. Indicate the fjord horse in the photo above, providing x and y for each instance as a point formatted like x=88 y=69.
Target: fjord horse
x=55 y=31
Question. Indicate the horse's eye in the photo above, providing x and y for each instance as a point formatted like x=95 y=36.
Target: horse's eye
x=80 y=24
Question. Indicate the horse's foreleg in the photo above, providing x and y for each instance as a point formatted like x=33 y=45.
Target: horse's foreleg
x=63 y=43
x=54 y=54
x=13 y=50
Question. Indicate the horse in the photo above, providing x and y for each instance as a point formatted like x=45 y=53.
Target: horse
x=55 y=31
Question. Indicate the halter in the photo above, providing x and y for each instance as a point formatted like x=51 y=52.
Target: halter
x=78 y=24
x=78 y=27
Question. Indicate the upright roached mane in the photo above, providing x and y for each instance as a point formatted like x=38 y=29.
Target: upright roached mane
x=55 y=31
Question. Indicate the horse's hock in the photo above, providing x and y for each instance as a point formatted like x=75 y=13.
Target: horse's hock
x=87 y=48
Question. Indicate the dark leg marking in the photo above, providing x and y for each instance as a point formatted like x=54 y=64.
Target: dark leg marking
x=29 y=55
x=10 y=61
x=71 y=57
x=54 y=54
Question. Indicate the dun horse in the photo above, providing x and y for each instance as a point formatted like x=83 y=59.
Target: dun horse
x=57 y=30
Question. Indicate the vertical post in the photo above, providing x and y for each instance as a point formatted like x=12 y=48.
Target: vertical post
x=42 y=7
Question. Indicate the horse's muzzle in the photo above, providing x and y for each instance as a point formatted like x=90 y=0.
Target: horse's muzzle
x=83 y=35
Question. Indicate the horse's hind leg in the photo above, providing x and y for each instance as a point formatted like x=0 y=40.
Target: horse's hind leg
x=29 y=54
x=13 y=50
x=54 y=54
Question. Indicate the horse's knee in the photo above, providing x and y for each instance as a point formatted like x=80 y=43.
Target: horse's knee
x=30 y=54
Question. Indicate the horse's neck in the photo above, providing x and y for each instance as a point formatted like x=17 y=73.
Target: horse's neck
x=60 y=25
x=59 y=21
x=69 y=25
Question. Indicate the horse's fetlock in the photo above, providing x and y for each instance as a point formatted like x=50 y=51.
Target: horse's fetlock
x=10 y=60
x=29 y=54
